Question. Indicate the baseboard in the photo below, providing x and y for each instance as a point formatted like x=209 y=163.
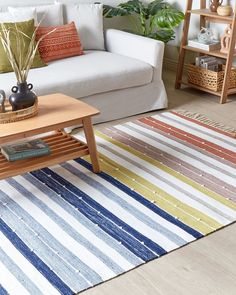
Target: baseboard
x=171 y=57
x=170 y=64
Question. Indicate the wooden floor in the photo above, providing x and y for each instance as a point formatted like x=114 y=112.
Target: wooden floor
x=204 y=267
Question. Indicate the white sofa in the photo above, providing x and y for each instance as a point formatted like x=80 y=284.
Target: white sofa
x=123 y=80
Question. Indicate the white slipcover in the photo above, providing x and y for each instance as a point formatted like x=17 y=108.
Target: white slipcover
x=122 y=81
x=88 y=74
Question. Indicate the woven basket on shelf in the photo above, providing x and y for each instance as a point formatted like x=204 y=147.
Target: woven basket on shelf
x=209 y=79
x=10 y=116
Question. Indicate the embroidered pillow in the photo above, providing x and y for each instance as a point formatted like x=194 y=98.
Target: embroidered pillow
x=62 y=43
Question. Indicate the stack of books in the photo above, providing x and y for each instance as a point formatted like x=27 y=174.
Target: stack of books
x=214 y=45
x=208 y=62
x=24 y=150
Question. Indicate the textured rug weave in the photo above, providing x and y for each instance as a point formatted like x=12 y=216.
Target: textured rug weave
x=166 y=181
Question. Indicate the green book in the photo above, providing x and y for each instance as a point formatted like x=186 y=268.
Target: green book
x=24 y=150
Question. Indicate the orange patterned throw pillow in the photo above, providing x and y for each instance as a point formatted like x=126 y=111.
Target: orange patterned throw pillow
x=63 y=42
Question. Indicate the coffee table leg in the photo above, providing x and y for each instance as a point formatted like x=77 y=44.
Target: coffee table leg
x=89 y=134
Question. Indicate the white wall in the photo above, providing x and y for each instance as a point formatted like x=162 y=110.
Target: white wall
x=38 y=2
x=123 y=22
x=171 y=51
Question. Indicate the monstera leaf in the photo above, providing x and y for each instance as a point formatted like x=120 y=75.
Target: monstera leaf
x=132 y=6
x=157 y=19
x=109 y=11
x=156 y=6
x=164 y=35
x=168 y=18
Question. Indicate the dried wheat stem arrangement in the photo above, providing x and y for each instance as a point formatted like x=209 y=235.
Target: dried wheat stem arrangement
x=20 y=64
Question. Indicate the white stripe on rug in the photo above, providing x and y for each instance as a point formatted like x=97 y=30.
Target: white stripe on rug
x=126 y=158
x=156 y=236
x=35 y=276
x=58 y=233
x=88 y=227
x=46 y=247
x=212 y=166
x=11 y=283
x=169 y=189
x=74 y=229
x=75 y=224
x=125 y=200
x=197 y=129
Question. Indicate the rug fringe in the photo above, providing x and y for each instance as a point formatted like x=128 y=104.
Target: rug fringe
x=203 y=119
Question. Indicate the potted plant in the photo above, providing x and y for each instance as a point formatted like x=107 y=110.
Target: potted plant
x=20 y=50
x=156 y=19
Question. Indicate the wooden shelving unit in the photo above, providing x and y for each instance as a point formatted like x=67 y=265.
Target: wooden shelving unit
x=215 y=53
x=212 y=16
x=206 y=15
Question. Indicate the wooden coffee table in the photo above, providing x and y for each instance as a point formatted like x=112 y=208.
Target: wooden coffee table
x=56 y=112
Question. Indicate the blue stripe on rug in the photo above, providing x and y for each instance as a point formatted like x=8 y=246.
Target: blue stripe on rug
x=125 y=205
x=142 y=200
x=34 y=259
x=129 y=256
x=154 y=247
x=18 y=273
x=66 y=227
x=48 y=246
x=3 y=291
x=106 y=220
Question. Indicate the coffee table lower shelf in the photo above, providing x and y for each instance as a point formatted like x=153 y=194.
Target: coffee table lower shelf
x=64 y=147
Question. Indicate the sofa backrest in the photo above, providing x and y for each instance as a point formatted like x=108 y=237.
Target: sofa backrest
x=121 y=23
x=4 y=3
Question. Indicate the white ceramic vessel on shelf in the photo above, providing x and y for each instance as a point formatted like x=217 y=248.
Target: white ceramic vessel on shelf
x=224 y=10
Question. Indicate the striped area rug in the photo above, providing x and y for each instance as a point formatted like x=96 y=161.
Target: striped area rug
x=166 y=181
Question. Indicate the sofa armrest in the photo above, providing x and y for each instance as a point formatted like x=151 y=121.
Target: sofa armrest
x=146 y=49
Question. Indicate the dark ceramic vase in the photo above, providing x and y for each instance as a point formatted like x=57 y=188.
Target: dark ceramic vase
x=22 y=96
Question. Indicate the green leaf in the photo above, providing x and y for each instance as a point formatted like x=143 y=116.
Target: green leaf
x=109 y=11
x=164 y=35
x=169 y=17
x=133 y=6
x=157 y=19
x=138 y=8
x=155 y=6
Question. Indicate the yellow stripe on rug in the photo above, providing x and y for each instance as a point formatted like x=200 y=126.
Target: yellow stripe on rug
x=168 y=203
x=170 y=171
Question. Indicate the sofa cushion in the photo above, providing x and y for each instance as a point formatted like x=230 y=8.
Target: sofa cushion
x=88 y=19
x=63 y=42
x=47 y=15
x=7 y=17
x=27 y=28
x=91 y=73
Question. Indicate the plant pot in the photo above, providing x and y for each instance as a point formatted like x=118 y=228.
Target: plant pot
x=22 y=96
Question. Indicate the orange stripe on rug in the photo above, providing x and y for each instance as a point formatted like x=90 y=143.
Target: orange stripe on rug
x=192 y=139
x=196 y=121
